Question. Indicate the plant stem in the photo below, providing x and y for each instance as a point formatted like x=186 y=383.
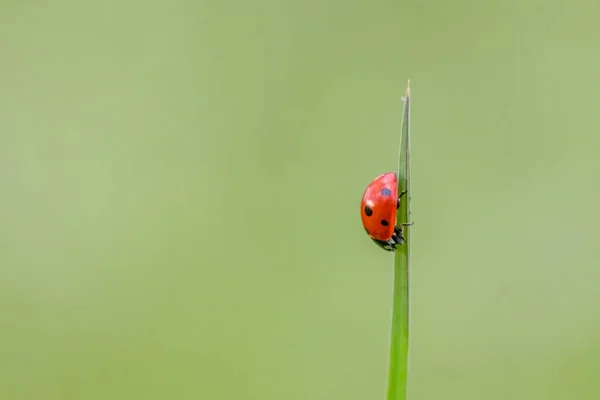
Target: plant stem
x=397 y=383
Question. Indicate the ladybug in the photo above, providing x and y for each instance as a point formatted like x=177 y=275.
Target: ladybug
x=378 y=208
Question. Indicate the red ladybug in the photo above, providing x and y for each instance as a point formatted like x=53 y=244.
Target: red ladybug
x=378 y=211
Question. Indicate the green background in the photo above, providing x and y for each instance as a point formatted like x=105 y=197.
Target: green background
x=180 y=188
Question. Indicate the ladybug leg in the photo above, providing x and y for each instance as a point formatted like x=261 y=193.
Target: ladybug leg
x=399 y=229
x=397 y=237
x=399 y=197
x=391 y=244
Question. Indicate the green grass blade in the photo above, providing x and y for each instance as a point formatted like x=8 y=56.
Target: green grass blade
x=400 y=312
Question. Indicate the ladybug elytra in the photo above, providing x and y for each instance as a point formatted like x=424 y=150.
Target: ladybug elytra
x=378 y=208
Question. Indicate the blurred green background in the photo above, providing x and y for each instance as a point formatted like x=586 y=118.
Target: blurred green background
x=181 y=182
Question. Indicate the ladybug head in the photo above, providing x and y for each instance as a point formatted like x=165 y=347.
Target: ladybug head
x=387 y=246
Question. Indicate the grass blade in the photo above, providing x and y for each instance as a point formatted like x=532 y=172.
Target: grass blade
x=397 y=378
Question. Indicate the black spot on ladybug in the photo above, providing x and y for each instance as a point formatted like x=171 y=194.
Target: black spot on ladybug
x=384 y=222
x=368 y=211
x=386 y=192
